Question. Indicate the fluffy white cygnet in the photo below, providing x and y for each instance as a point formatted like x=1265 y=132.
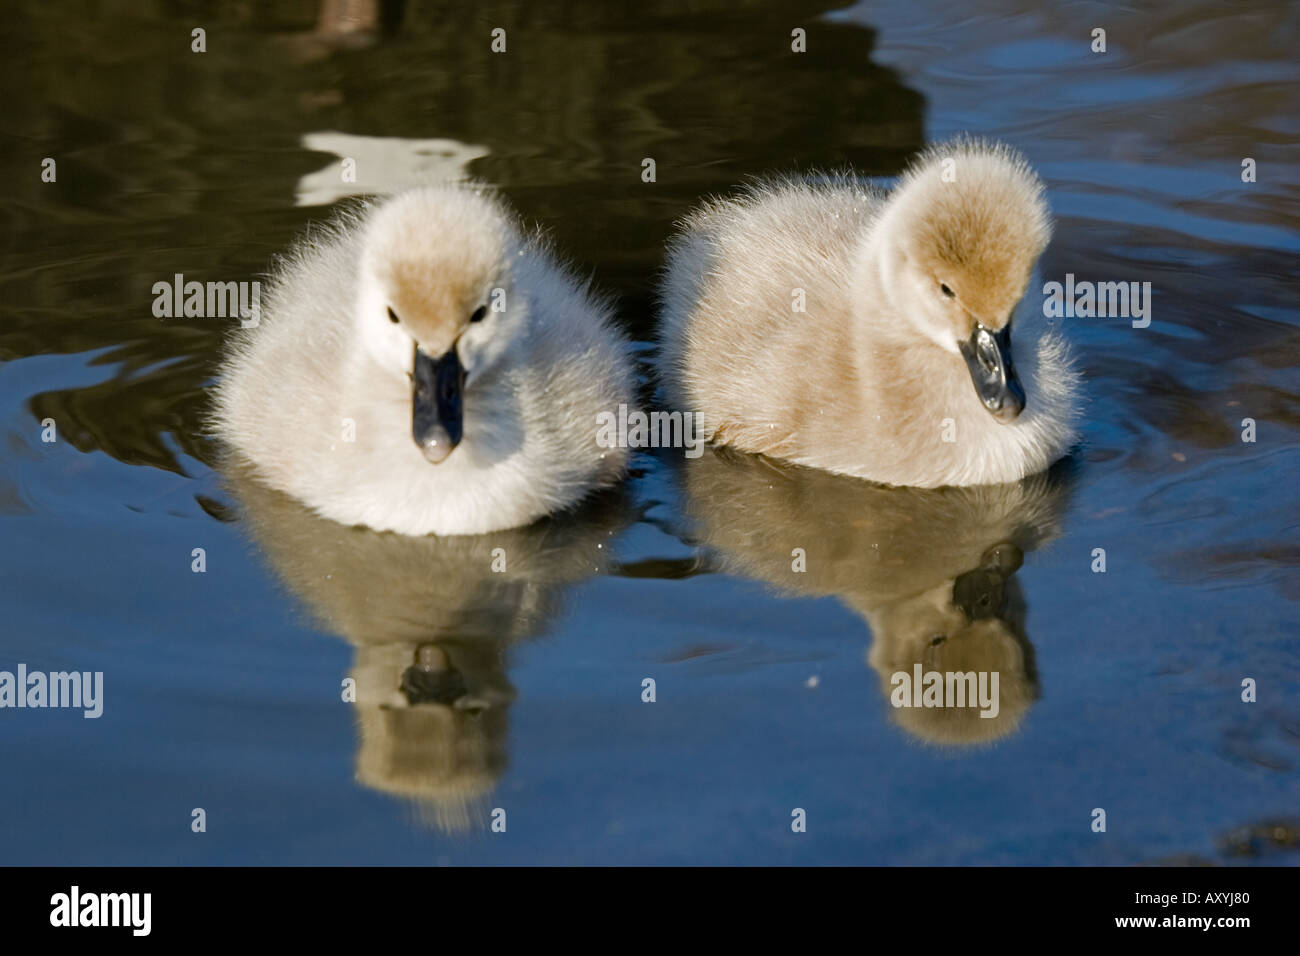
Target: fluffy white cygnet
x=422 y=366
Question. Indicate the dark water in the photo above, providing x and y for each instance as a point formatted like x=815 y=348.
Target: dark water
x=222 y=690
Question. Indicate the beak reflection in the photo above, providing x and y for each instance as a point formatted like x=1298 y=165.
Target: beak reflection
x=980 y=593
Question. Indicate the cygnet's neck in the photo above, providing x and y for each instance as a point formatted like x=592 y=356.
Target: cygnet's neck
x=884 y=314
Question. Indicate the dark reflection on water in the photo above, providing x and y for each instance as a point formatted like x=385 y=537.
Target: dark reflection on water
x=1121 y=689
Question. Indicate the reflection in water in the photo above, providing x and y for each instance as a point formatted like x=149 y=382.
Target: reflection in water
x=931 y=571
x=432 y=621
x=380 y=165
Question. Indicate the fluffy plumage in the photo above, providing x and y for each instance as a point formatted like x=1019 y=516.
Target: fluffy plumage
x=868 y=380
x=318 y=397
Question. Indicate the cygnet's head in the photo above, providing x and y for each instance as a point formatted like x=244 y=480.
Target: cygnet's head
x=435 y=303
x=970 y=632
x=962 y=236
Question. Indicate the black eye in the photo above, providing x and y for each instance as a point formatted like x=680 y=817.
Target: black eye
x=938 y=639
x=945 y=290
x=392 y=316
x=478 y=314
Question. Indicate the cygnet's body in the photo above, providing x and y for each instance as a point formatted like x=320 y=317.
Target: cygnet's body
x=870 y=334
x=424 y=368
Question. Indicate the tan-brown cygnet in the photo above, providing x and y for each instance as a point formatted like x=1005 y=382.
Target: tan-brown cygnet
x=872 y=334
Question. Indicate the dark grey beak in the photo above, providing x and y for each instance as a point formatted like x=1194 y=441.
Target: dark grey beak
x=436 y=416
x=988 y=358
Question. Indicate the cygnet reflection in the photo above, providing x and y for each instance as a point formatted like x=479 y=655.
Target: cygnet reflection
x=933 y=572
x=432 y=621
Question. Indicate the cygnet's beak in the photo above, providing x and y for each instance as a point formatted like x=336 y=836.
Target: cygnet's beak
x=988 y=358
x=436 y=415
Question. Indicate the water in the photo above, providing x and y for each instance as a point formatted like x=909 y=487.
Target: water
x=222 y=690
